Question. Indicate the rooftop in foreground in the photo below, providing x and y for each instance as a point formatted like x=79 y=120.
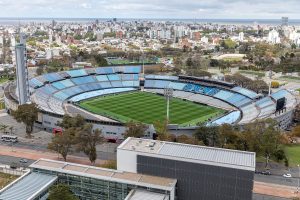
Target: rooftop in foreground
x=193 y=153
x=105 y=174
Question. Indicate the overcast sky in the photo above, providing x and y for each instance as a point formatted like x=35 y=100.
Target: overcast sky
x=188 y=9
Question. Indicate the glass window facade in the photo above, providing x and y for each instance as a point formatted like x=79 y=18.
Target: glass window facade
x=96 y=189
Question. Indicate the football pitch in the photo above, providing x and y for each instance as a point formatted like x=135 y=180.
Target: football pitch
x=148 y=108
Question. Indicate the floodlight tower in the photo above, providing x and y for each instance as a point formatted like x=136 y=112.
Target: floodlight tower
x=168 y=93
x=270 y=85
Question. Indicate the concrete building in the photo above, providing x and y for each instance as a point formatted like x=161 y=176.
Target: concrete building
x=22 y=74
x=88 y=183
x=284 y=21
x=201 y=172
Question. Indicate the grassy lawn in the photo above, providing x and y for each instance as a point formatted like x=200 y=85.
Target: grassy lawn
x=290 y=78
x=3 y=80
x=293 y=154
x=2 y=105
x=232 y=59
x=148 y=108
x=259 y=74
x=6 y=179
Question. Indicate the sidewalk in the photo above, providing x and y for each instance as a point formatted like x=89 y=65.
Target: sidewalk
x=35 y=155
x=275 y=190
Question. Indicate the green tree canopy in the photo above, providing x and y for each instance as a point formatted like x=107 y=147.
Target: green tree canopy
x=61 y=192
x=27 y=114
x=87 y=140
x=135 y=129
x=62 y=143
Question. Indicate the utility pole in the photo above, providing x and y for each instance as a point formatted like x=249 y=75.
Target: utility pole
x=168 y=93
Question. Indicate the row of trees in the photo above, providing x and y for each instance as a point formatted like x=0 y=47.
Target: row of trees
x=262 y=137
x=77 y=136
x=245 y=82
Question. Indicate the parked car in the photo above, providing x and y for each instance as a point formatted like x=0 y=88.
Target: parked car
x=266 y=173
x=287 y=175
x=13 y=165
x=23 y=160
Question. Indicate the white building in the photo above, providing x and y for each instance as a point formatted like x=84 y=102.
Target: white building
x=273 y=37
x=241 y=36
x=204 y=40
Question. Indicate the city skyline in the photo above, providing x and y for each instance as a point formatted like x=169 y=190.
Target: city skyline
x=173 y=9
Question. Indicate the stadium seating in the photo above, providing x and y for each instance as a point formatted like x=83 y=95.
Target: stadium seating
x=97 y=93
x=280 y=94
x=114 y=77
x=52 y=77
x=35 y=83
x=160 y=77
x=230 y=118
x=77 y=73
x=245 y=92
x=83 y=80
x=101 y=78
x=63 y=84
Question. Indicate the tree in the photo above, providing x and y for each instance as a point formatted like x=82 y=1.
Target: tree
x=87 y=140
x=161 y=128
x=187 y=140
x=61 y=192
x=3 y=127
x=135 y=129
x=100 y=60
x=228 y=138
x=209 y=135
x=68 y=122
x=62 y=143
x=27 y=114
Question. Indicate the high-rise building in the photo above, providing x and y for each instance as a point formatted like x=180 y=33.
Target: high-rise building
x=284 y=21
x=22 y=73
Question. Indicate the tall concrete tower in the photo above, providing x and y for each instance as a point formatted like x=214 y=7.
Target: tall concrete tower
x=22 y=72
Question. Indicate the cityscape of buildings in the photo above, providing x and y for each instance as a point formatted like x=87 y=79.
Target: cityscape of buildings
x=150 y=109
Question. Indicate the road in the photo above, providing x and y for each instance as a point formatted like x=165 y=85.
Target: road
x=280 y=180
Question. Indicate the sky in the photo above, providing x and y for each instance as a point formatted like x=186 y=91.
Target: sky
x=171 y=9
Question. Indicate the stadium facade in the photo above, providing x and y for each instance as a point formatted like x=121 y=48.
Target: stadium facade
x=147 y=169
x=56 y=94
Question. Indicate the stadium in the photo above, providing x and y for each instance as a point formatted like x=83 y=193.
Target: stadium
x=109 y=97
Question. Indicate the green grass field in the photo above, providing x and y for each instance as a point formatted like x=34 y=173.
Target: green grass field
x=293 y=154
x=148 y=108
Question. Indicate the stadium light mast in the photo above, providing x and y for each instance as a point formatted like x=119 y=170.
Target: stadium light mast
x=168 y=93
x=270 y=84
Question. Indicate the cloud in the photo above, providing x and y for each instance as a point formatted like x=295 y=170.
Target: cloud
x=151 y=9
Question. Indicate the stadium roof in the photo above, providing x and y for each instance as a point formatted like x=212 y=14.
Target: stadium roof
x=27 y=188
x=145 y=195
x=192 y=153
x=105 y=174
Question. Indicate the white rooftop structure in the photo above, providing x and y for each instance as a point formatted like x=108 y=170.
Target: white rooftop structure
x=146 y=195
x=27 y=187
x=183 y=152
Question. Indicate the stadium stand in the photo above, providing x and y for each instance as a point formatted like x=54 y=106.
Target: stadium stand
x=63 y=84
x=77 y=73
x=53 y=77
x=50 y=91
x=230 y=118
x=250 y=113
x=83 y=80
x=245 y=92
x=97 y=93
